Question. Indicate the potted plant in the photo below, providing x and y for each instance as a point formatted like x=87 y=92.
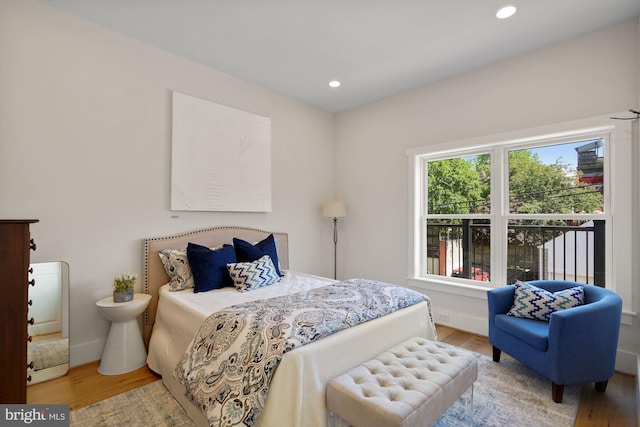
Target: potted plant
x=123 y=287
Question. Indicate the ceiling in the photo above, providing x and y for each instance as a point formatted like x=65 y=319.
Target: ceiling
x=376 y=48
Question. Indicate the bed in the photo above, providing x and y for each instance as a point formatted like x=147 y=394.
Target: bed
x=297 y=391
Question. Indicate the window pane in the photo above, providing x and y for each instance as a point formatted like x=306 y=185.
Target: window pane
x=557 y=179
x=459 y=248
x=459 y=185
x=555 y=249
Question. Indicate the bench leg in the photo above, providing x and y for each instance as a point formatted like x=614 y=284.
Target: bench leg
x=335 y=421
x=496 y=354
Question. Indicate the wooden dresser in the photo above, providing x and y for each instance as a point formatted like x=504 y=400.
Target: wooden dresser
x=15 y=247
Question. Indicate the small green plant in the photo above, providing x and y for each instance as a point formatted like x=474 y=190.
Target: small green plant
x=124 y=282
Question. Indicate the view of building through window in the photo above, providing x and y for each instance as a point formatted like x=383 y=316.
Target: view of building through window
x=550 y=188
x=557 y=179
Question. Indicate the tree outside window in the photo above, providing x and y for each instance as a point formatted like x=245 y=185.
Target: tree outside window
x=548 y=190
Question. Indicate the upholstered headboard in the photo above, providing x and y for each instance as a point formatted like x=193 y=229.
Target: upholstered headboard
x=155 y=275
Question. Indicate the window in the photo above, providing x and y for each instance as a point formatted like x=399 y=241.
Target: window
x=517 y=210
x=458 y=222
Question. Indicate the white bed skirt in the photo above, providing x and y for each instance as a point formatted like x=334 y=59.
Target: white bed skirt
x=297 y=393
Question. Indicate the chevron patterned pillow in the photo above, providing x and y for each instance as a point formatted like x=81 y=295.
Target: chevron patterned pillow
x=531 y=302
x=248 y=276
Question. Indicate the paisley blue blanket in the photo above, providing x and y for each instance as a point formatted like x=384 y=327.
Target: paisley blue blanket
x=228 y=366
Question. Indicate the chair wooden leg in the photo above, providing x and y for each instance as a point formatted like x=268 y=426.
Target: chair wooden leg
x=496 y=354
x=557 y=392
x=601 y=386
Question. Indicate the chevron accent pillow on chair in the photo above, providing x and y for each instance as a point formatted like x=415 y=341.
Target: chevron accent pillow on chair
x=531 y=302
x=248 y=276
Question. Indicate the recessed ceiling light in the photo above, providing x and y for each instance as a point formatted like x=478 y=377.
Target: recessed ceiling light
x=506 y=12
x=334 y=83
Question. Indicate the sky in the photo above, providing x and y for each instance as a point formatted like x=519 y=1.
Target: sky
x=567 y=152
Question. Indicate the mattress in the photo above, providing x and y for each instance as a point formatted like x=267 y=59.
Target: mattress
x=297 y=393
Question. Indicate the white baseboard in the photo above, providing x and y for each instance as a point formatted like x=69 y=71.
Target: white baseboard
x=627 y=362
x=86 y=352
x=464 y=322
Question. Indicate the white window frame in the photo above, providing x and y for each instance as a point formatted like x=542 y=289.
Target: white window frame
x=618 y=204
x=422 y=267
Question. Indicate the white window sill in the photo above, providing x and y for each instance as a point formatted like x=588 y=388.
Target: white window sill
x=449 y=286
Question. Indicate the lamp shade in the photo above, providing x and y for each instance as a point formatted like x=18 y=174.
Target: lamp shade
x=334 y=210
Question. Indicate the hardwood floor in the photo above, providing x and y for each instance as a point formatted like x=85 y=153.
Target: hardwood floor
x=84 y=386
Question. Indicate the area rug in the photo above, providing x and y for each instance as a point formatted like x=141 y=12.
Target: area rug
x=505 y=394
x=510 y=394
x=149 y=405
x=50 y=353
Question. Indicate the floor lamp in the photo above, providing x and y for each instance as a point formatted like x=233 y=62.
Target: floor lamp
x=334 y=210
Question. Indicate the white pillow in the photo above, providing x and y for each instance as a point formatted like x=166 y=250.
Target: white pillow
x=248 y=276
x=176 y=265
x=531 y=302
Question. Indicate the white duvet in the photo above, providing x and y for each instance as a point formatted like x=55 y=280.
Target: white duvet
x=297 y=393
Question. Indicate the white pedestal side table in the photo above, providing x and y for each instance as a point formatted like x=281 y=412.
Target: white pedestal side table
x=124 y=351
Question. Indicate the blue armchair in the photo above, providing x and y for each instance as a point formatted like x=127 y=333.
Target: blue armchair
x=578 y=345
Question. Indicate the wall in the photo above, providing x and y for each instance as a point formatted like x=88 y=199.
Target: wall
x=85 y=143
x=636 y=236
x=588 y=76
x=85 y=147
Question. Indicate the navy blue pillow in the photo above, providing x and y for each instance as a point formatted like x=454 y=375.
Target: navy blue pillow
x=245 y=251
x=209 y=267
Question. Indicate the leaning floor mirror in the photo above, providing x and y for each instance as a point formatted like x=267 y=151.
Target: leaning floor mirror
x=48 y=322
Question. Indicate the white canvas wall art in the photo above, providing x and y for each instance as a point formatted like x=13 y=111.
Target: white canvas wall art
x=220 y=157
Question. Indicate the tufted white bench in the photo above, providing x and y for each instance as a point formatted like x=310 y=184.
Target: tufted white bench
x=410 y=385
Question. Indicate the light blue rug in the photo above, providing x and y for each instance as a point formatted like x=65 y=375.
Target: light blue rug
x=510 y=394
